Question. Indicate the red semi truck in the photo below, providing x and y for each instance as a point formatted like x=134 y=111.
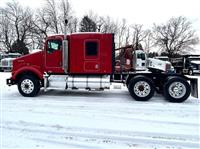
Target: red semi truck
x=87 y=61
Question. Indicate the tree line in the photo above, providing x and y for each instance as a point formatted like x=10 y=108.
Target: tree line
x=22 y=28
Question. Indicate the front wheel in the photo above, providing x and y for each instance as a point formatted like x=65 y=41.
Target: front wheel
x=176 y=89
x=28 y=86
x=141 y=88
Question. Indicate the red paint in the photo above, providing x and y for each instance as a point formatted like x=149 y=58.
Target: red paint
x=32 y=63
x=53 y=61
x=96 y=60
x=31 y=69
x=80 y=63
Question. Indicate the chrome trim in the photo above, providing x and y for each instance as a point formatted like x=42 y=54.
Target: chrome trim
x=142 y=89
x=177 y=90
x=65 y=55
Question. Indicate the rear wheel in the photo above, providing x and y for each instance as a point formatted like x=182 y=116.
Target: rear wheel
x=28 y=86
x=141 y=88
x=176 y=89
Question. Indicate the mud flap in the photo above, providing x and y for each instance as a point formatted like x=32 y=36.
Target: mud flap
x=194 y=87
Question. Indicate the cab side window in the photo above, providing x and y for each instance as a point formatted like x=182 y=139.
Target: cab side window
x=53 y=45
x=91 y=48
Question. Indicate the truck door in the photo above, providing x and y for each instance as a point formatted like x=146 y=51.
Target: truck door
x=92 y=60
x=53 y=56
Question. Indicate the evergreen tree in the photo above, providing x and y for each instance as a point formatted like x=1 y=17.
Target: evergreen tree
x=19 y=47
x=87 y=25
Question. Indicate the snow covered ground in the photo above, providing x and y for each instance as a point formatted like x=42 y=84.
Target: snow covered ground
x=59 y=119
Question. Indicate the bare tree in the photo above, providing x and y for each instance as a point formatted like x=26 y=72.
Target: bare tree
x=16 y=24
x=176 y=36
x=42 y=22
x=52 y=13
x=73 y=25
x=138 y=35
x=6 y=32
x=67 y=13
x=50 y=20
x=127 y=36
x=122 y=31
x=108 y=25
x=22 y=25
x=41 y=28
x=148 y=41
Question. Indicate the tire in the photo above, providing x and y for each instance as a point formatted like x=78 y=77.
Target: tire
x=176 y=89
x=190 y=72
x=28 y=86
x=141 y=88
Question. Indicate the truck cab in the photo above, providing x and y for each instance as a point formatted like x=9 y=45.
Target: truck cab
x=139 y=60
x=89 y=57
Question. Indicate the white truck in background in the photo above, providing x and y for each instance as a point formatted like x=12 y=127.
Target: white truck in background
x=6 y=62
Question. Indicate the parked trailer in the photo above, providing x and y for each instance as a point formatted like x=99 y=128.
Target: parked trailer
x=87 y=61
x=187 y=64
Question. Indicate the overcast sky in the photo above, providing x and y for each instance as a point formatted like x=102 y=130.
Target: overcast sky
x=144 y=12
x=134 y=11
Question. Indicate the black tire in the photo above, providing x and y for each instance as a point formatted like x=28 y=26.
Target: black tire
x=179 y=87
x=190 y=72
x=136 y=86
x=28 y=86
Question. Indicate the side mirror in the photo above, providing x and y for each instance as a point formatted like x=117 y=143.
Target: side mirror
x=50 y=50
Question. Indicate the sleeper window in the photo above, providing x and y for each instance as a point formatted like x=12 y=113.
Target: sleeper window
x=91 y=48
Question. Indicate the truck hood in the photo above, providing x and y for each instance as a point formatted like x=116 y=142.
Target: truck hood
x=33 y=60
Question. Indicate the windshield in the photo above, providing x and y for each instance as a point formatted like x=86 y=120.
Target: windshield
x=4 y=56
x=141 y=56
x=195 y=59
x=9 y=56
x=163 y=58
x=14 y=56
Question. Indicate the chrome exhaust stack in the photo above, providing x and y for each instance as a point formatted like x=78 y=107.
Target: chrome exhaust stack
x=65 y=49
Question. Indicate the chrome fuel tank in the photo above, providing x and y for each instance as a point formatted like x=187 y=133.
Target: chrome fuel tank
x=88 y=82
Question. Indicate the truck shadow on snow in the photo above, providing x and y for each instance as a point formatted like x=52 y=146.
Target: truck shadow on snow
x=84 y=95
x=91 y=95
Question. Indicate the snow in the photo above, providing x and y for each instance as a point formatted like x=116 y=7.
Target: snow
x=35 y=50
x=59 y=119
x=196 y=62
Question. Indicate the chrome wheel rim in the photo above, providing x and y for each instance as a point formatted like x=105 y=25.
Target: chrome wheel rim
x=142 y=89
x=177 y=90
x=27 y=86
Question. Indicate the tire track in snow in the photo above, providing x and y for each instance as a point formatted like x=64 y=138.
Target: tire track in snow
x=99 y=115
x=101 y=135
